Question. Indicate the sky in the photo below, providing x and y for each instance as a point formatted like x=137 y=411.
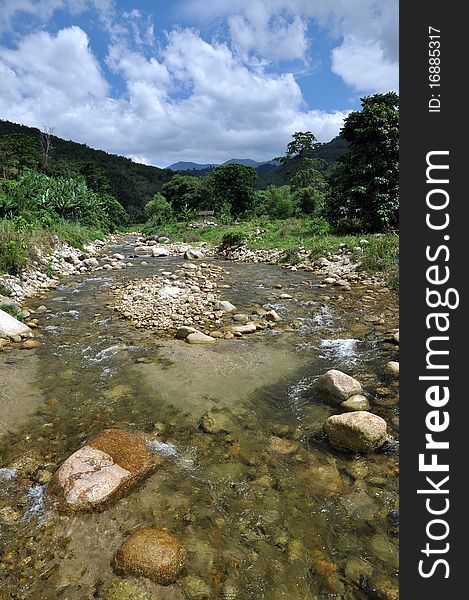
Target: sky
x=194 y=80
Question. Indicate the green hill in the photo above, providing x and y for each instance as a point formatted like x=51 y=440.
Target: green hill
x=131 y=183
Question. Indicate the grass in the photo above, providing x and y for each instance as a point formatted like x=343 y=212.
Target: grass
x=13 y=311
x=19 y=245
x=379 y=256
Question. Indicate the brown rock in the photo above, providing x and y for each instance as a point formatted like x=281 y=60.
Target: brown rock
x=359 y=431
x=29 y=344
x=338 y=386
x=102 y=472
x=392 y=369
x=152 y=553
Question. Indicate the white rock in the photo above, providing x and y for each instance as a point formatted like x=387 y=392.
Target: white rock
x=225 y=306
x=9 y=326
x=338 y=385
x=160 y=251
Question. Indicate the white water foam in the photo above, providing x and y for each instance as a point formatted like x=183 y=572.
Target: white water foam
x=162 y=448
x=340 y=349
x=7 y=474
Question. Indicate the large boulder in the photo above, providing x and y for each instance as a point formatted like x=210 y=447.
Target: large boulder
x=102 y=472
x=359 y=431
x=158 y=252
x=9 y=326
x=338 y=386
x=152 y=553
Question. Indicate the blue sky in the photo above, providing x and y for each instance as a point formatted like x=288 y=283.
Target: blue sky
x=195 y=80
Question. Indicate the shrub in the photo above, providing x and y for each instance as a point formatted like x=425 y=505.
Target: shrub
x=232 y=239
x=13 y=311
x=158 y=211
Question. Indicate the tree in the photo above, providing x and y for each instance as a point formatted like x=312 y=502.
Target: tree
x=17 y=152
x=304 y=170
x=46 y=143
x=232 y=187
x=158 y=211
x=365 y=189
x=184 y=192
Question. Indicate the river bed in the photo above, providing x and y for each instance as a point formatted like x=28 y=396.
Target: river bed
x=267 y=509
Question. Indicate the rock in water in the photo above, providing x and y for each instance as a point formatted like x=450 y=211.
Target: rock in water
x=355 y=402
x=9 y=326
x=392 y=369
x=157 y=252
x=225 y=306
x=183 y=331
x=153 y=553
x=338 y=385
x=199 y=338
x=102 y=472
x=193 y=254
x=358 y=431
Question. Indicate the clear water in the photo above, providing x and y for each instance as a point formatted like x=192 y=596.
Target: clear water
x=257 y=523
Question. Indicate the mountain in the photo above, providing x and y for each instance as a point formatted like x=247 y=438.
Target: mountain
x=133 y=184
x=190 y=166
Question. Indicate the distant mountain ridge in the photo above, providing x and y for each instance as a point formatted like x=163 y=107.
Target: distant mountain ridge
x=192 y=166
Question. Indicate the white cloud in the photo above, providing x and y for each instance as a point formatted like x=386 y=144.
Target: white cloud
x=227 y=109
x=277 y=30
x=364 y=66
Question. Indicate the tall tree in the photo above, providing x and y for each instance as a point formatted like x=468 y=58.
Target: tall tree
x=233 y=187
x=304 y=170
x=366 y=188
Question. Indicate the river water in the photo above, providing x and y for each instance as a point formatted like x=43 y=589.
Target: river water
x=267 y=510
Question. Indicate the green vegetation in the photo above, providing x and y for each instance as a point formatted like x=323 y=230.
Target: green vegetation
x=324 y=194
x=365 y=188
x=13 y=311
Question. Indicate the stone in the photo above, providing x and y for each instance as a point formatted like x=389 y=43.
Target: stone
x=272 y=316
x=247 y=328
x=215 y=422
x=163 y=240
x=184 y=331
x=329 y=280
x=199 y=338
x=118 y=256
x=282 y=446
x=357 y=570
x=30 y=344
x=158 y=252
x=122 y=590
x=225 y=306
x=396 y=337
x=358 y=431
x=195 y=588
x=193 y=254
x=102 y=471
x=355 y=402
x=392 y=369
x=338 y=385
x=153 y=553
x=9 y=326
x=91 y=263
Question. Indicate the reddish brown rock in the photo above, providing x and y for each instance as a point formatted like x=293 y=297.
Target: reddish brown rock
x=153 y=553
x=102 y=472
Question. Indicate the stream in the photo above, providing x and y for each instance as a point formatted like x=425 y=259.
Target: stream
x=267 y=510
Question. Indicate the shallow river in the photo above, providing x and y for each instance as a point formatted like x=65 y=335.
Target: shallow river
x=265 y=511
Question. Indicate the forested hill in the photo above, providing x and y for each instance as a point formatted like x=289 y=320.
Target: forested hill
x=131 y=183
x=135 y=184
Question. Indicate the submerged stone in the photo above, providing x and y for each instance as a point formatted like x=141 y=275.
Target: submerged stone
x=153 y=553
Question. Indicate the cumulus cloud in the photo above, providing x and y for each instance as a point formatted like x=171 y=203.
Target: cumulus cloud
x=275 y=30
x=225 y=109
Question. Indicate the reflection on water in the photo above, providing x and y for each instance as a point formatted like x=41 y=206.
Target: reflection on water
x=266 y=510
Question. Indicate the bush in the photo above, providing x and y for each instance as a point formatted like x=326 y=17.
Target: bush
x=158 y=211
x=13 y=311
x=232 y=239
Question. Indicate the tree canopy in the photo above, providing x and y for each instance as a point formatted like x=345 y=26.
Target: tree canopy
x=366 y=187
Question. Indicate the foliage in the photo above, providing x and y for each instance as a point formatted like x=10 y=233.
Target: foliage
x=279 y=202
x=309 y=200
x=381 y=255
x=232 y=186
x=158 y=211
x=367 y=187
x=14 y=253
x=232 y=239
x=17 y=152
x=185 y=193
x=13 y=311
